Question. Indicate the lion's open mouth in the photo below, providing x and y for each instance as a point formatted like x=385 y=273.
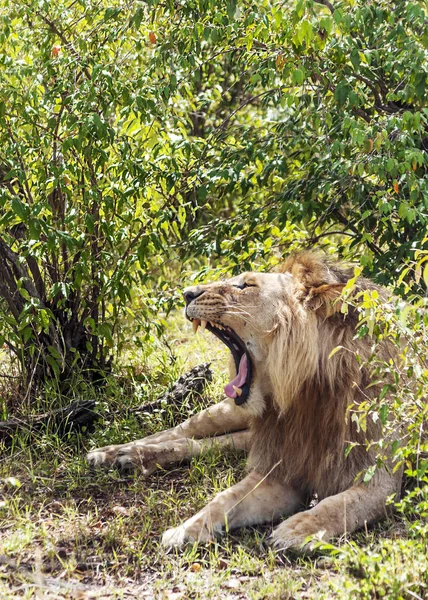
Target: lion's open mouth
x=239 y=387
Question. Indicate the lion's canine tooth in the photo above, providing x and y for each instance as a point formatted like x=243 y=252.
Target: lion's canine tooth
x=203 y=324
x=237 y=390
x=195 y=325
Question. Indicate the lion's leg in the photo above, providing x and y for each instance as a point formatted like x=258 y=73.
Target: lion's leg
x=224 y=417
x=148 y=457
x=219 y=419
x=337 y=515
x=251 y=501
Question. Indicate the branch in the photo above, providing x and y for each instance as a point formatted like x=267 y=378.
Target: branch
x=372 y=87
x=21 y=163
x=6 y=182
x=9 y=288
x=373 y=247
x=245 y=103
x=10 y=292
x=327 y=4
x=11 y=270
x=37 y=276
x=53 y=27
x=356 y=111
x=20 y=272
x=316 y=238
x=9 y=296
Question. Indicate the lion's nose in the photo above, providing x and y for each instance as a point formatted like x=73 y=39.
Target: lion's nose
x=191 y=294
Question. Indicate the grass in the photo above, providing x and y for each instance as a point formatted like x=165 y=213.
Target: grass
x=68 y=533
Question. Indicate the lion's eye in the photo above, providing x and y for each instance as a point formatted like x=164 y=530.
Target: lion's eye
x=242 y=286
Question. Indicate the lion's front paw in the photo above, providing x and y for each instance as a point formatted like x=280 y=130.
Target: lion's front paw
x=144 y=458
x=128 y=458
x=176 y=537
x=293 y=533
x=102 y=457
x=188 y=533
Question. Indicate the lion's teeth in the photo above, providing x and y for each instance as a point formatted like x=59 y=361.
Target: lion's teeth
x=237 y=390
x=213 y=324
x=195 y=325
x=203 y=325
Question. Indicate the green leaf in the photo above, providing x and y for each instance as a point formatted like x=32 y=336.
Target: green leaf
x=305 y=32
x=43 y=319
x=27 y=333
x=34 y=229
x=355 y=58
x=298 y=76
x=138 y=17
x=54 y=352
x=341 y=93
x=24 y=293
x=338 y=16
x=104 y=330
x=390 y=165
x=336 y=349
x=54 y=365
x=383 y=412
x=425 y=274
x=368 y=475
x=20 y=209
x=111 y=13
x=231 y=8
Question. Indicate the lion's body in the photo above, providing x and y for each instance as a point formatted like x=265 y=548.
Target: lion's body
x=300 y=376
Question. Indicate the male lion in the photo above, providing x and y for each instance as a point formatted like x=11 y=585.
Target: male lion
x=288 y=405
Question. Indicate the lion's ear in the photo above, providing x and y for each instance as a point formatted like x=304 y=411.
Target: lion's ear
x=325 y=299
x=318 y=283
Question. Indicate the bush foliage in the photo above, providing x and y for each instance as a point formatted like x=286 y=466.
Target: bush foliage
x=136 y=134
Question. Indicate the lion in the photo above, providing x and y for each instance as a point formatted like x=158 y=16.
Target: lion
x=298 y=375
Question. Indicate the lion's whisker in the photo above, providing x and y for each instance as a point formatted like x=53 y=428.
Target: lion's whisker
x=237 y=310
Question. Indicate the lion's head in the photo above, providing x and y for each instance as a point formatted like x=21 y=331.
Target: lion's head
x=272 y=323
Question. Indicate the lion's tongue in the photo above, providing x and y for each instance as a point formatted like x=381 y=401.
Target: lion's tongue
x=239 y=379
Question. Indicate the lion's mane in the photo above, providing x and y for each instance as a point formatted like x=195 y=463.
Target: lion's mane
x=307 y=425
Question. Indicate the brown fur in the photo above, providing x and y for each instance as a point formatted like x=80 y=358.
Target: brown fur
x=307 y=431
